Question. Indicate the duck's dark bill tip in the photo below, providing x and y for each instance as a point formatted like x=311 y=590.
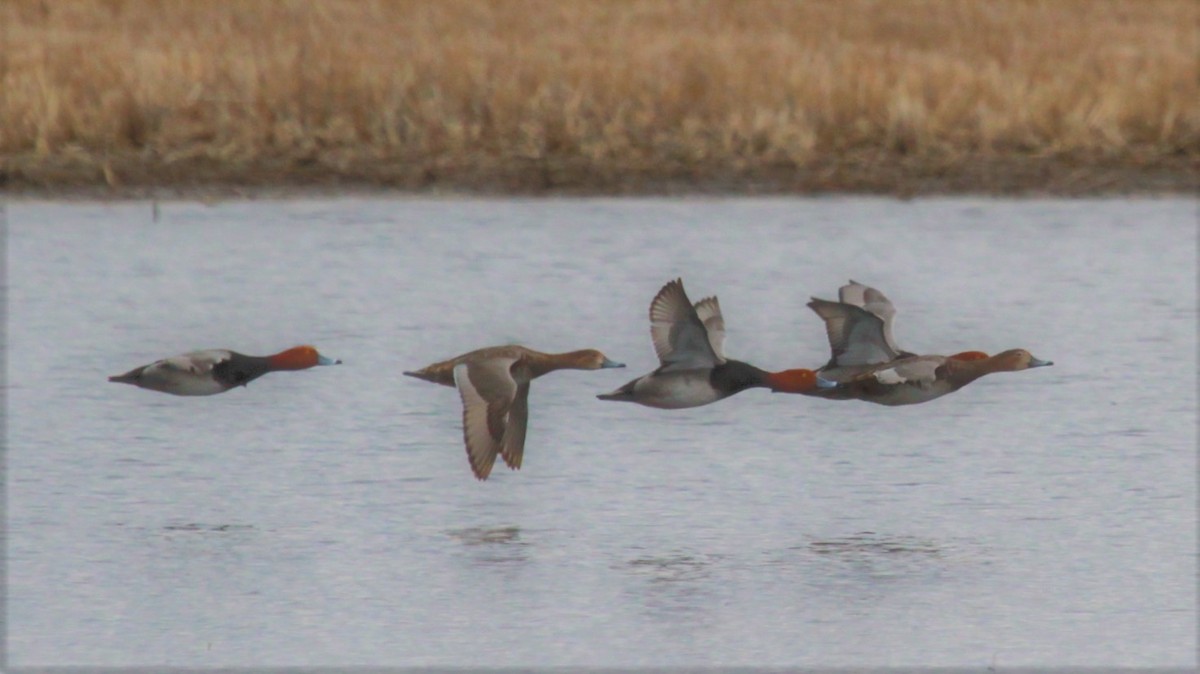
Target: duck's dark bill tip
x=608 y=362
x=1036 y=362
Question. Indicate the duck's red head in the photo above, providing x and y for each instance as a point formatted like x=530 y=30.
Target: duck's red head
x=299 y=358
x=793 y=381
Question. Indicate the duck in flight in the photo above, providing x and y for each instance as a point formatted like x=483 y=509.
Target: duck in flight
x=494 y=386
x=689 y=340
x=919 y=379
x=204 y=373
x=868 y=365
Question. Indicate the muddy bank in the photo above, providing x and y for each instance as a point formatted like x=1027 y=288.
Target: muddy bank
x=134 y=177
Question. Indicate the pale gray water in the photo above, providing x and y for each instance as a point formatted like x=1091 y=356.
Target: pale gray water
x=328 y=517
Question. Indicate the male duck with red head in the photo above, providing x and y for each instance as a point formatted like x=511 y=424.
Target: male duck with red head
x=694 y=371
x=204 y=373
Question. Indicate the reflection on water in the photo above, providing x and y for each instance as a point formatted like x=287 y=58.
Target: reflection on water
x=676 y=589
x=195 y=526
x=488 y=536
x=492 y=545
x=673 y=568
x=871 y=558
x=867 y=544
x=329 y=517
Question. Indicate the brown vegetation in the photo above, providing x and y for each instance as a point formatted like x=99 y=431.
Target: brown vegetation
x=603 y=95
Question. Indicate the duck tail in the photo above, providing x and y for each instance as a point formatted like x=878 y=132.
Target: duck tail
x=130 y=377
x=625 y=393
x=438 y=373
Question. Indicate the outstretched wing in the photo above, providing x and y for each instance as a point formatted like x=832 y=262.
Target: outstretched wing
x=487 y=390
x=853 y=293
x=708 y=310
x=512 y=445
x=855 y=334
x=680 y=338
x=877 y=303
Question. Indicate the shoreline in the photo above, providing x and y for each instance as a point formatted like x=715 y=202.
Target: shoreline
x=132 y=178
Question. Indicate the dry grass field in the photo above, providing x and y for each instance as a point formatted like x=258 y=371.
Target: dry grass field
x=1067 y=96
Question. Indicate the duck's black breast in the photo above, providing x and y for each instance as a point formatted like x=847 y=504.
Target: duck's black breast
x=734 y=376
x=240 y=370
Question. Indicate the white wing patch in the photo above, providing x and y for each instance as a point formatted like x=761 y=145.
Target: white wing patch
x=197 y=362
x=921 y=371
x=186 y=375
x=890 y=376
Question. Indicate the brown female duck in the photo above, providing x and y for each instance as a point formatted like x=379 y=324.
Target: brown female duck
x=919 y=379
x=494 y=386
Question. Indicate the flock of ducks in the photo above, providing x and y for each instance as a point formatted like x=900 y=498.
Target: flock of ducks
x=866 y=364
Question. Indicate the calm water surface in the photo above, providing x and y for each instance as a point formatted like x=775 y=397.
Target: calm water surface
x=329 y=517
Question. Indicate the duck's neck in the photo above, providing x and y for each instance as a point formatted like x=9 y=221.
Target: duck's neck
x=962 y=372
x=542 y=363
x=734 y=376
